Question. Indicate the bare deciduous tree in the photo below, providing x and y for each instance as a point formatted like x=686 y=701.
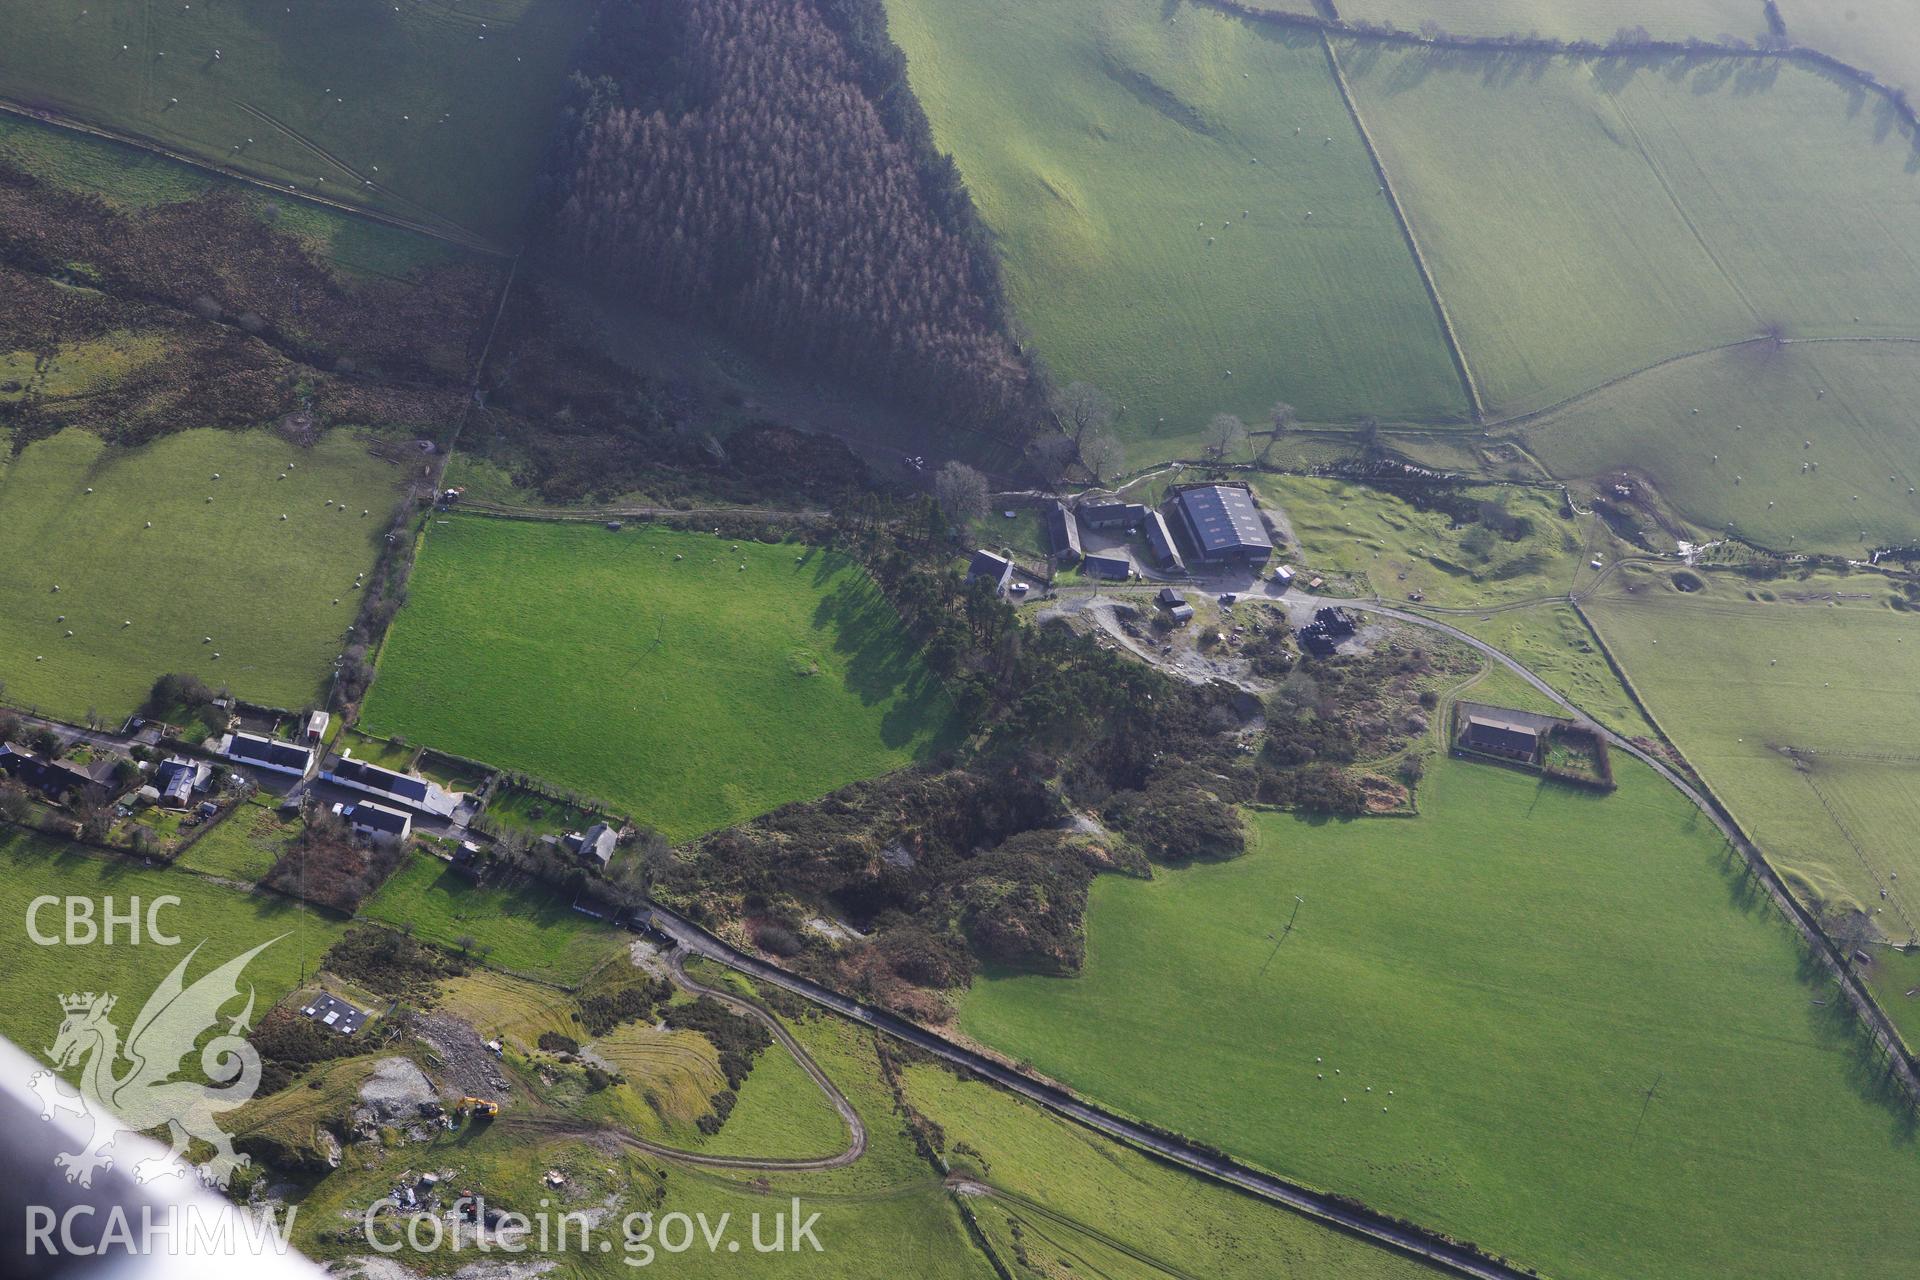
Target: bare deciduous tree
x=961 y=492
x=1103 y=455
x=1052 y=456
x=1282 y=418
x=1084 y=411
x=1226 y=436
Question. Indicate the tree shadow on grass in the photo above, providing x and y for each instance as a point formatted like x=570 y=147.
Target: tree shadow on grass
x=1831 y=1021
x=881 y=666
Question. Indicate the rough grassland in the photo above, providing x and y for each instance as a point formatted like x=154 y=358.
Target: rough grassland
x=443 y=107
x=689 y=692
x=1108 y=1191
x=1584 y=220
x=228 y=921
x=1565 y=19
x=525 y=928
x=1734 y=680
x=1392 y=548
x=263 y=588
x=1508 y=974
x=1844 y=407
x=1097 y=137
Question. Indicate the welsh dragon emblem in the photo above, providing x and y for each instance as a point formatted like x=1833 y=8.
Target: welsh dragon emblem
x=131 y=1088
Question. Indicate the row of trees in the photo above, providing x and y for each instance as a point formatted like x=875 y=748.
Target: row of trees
x=1086 y=445
x=724 y=161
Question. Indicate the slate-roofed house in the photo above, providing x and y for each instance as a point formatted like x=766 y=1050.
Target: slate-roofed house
x=53 y=778
x=1224 y=523
x=594 y=845
x=988 y=567
x=1498 y=737
x=332 y=1011
x=1160 y=538
x=376 y=821
x=1112 y=515
x=407 y=790
x=1063 y=533
x=267 y=753
x=177 y=779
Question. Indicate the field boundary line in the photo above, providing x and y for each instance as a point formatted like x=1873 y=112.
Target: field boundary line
x=59 y=120
x=1673 y=198
x=309 y=145
x=1454 y=349
x=1878 y=1025
x=1339 y=1212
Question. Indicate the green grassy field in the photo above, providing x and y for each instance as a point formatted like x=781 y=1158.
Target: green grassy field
x=1552 y=642
x=1506 y=976
x=434 y=111
x=781 y=1113
x=128 y=177
x=1075 y=1191
x=1097 y=138
x=227 y=921
x=1876 y=35
x=1645 y=208
x=649 y=670
x=527 y=928
x=1565 y=19
x=245 y=844
x=1842 y=409
x=1841 y=682
x=139 y=601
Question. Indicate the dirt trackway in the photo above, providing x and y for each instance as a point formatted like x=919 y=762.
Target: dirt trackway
x=856 y=1127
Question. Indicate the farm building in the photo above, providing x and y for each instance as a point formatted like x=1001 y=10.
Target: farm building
x=1284 y=576
x=595 y=845
x=1168 y=598
x=407 y=790
x=267 y=753
x=1063 y=534
x=1107 y=565
x=1112 y=515
x=375 y=821
x=332 y=1011
x=1181 y=614
x=1501 y=738
x=1160 y=538
x=988 y=567
x=1224 y=523
x=1502 y=731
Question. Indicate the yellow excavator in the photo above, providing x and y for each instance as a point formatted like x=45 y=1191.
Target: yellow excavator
x=479 y=1108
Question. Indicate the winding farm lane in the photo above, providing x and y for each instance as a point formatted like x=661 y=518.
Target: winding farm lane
x=1337 y=1211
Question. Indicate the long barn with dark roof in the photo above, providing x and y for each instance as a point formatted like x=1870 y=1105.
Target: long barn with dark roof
x=408 y=790
x=1224 y=523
